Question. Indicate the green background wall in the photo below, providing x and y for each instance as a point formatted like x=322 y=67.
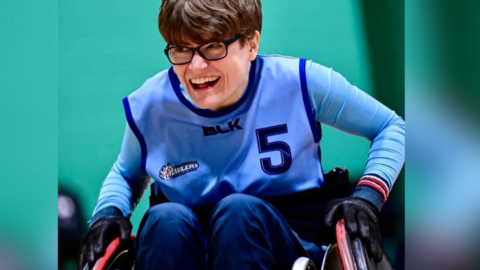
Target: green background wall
x=107 y=49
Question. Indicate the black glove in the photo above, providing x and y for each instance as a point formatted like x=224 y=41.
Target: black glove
x=99 y=236
x=361 y=220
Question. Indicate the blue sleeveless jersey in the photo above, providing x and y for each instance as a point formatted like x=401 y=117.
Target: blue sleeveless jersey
x=267 y=144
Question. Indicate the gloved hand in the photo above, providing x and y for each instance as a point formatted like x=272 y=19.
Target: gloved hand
x=361 y=220
x=99 y=236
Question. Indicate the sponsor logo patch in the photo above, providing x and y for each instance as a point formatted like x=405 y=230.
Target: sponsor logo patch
x=169 y=172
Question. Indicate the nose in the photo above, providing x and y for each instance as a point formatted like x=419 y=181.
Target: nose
x=197 y=62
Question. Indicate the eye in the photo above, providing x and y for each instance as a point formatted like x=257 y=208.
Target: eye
x=181 y=49
x=214 y=46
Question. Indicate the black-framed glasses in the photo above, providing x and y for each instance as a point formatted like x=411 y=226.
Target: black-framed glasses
x=181 y=55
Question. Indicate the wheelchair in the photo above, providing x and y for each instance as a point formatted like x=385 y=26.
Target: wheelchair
x=343 y=254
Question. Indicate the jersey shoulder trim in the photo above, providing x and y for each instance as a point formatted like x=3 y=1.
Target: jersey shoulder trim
x=138 y=134
x=306 y=101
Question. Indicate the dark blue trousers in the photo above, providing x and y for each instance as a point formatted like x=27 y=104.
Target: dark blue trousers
x=242 y=232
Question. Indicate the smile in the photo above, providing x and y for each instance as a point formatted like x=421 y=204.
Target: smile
x=204 y=83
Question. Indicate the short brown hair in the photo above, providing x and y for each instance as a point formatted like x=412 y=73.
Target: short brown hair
x=202 y=21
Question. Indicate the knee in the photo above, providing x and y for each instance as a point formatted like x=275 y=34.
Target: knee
x=239 y=216
x=239 y=204
x=167 y=228
x=170 y=215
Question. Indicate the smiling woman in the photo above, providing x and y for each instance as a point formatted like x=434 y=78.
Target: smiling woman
x=207 y=28
x=225 y=129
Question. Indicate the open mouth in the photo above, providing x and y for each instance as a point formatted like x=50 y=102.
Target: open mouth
x=204 y=83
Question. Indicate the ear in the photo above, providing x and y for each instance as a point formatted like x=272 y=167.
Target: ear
x=253 y=45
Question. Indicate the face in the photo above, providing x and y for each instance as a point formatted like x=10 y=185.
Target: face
x=217 y=85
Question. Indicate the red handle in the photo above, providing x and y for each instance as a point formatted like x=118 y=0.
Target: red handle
x=112 y=247
x=343 y=242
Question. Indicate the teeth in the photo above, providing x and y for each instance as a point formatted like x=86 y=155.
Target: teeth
x=204 y=79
